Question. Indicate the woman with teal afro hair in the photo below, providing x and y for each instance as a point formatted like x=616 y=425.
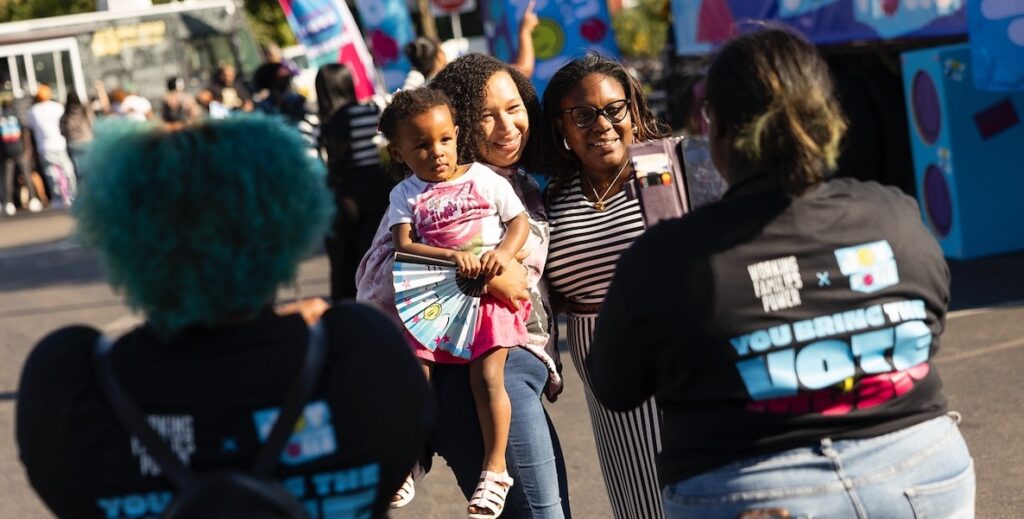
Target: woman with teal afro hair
x=198 y=227
x=202 y=224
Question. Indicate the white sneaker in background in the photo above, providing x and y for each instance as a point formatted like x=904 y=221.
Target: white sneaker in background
x=9 y=209
x=35 y=205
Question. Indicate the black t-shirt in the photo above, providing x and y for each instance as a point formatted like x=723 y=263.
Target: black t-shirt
x=765 y=322
x=213 y=394
x=11 y=139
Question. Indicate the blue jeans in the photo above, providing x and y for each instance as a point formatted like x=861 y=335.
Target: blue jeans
x=534 y=455
x=920 y=471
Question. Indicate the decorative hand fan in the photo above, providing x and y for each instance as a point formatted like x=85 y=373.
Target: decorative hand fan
x=439 y=307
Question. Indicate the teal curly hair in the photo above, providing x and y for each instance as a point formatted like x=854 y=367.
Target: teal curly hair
x=204 y=223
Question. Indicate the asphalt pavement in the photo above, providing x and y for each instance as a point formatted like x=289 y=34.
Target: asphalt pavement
x=47 y=281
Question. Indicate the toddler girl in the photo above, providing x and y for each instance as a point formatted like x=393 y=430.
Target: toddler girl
x=456 y=212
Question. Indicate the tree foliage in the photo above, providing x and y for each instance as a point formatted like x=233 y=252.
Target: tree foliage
x=265 y=16
x=15 y=10
x=268 y=22
x=642 y=31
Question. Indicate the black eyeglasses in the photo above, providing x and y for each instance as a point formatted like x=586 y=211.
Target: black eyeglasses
x=586 y=116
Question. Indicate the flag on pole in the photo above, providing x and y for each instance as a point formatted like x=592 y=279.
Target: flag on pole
x=389 y=28
x=330 y=34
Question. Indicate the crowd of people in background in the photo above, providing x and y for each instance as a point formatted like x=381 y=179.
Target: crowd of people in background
x=43 y=145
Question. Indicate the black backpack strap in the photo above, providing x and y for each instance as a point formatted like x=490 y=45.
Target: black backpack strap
x=298 y=395
x=131 y=418
x=180 y=475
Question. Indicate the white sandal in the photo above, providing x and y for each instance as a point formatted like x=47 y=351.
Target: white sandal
x=407 y=491
x=490 y=494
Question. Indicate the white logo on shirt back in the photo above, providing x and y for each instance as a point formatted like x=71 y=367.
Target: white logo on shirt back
x=777 y=283
x=179 y=433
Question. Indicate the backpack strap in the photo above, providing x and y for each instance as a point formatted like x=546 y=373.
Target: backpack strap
x=295 y=403
x=131 y=418
x=181 y=476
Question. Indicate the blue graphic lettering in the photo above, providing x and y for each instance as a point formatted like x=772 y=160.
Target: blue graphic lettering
x=804 y=330
x=780 y=335
x=110 y=506
x=824 y=363
x=312 y=508
x=870 y=347
x=823 y=326
x=828 y=362
x=358 y=505
x=913 y=344
x=295 y=485
x=741 y=344
x=855 y=320
x=874 y=315
x=899 y=311
x=776 y=371
x=760 y=341
x=135 y=505
x=775 y=379
x=346 y=481
x=342 y=493
x=322 y=483
x=370 y=474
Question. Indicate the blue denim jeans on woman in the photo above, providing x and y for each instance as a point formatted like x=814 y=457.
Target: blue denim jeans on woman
x=534 y=455
x=921 y=471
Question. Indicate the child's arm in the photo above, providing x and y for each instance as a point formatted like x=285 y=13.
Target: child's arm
x=467 y=263
x=493 y=262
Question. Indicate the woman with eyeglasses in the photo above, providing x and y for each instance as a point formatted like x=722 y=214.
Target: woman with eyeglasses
x=594 y=109
x=787 y=331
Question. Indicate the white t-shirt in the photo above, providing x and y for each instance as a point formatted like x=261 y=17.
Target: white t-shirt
x=135 y=108
x=462 y=214
x=44 y=120
x=413 y=80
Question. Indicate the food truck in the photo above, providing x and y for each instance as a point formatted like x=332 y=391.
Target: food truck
x=136 y=48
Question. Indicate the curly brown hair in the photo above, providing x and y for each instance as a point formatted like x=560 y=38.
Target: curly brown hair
x=561 y=164
x=464 y=80
x=404 y=105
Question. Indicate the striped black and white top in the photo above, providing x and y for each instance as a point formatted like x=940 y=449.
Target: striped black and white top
x=586 y=243
x=348 y=138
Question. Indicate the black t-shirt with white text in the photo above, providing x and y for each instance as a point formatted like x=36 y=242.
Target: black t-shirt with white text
x=765 y=322
x=213 y=394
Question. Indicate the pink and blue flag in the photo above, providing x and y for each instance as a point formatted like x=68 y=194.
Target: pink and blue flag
x=330 y=34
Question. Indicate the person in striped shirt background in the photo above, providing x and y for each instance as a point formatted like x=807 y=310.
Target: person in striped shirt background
x=354 y=174
x=594 y=109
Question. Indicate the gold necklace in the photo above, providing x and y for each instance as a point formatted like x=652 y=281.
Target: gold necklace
x=599 y=203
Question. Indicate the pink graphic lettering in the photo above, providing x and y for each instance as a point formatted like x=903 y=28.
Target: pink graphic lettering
x=868 y=392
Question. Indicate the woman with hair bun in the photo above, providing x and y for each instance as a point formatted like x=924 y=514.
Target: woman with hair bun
x=790 y=338
x=427 y=58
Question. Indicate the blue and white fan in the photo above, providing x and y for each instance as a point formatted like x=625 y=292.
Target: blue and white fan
x=438 y=307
